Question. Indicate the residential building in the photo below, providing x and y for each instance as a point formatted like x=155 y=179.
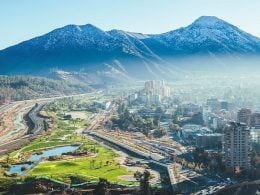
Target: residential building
x=157 y=88
x=213 y=103
x=218 y=123
x=132 y=97
x=190 y=131
x=244 y=116
x=236 y=146
x=209 y=141
x=255 y=120
x=255 y=136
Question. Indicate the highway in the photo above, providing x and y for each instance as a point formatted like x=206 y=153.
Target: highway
x=7 y=106
x=38 y=128
x=36 y=120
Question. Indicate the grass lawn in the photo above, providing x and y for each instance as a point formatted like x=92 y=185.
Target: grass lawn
x=101 y=164
x=92 y=168
x=63 y=134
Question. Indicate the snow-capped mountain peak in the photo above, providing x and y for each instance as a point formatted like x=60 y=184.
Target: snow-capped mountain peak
x=208 y=21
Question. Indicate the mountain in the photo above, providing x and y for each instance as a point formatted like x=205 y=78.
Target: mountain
x=204 y=36
x=116 y=54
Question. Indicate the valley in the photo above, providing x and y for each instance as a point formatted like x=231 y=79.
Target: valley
x=129 y=97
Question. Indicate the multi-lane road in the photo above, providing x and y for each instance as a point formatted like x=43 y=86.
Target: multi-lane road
x=35 y=119
x=38 y=127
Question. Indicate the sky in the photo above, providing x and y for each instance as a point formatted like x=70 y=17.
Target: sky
x=24 y=19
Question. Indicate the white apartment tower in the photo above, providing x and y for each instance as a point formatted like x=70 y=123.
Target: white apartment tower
x=236 y=146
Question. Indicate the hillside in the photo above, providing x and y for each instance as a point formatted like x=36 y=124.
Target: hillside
x=24 y=87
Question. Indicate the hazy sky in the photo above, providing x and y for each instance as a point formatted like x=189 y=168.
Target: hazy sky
x=24 y=19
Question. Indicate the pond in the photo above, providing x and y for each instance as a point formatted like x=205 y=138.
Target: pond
x=52 y=152
x=20 y=168
x=34 y=159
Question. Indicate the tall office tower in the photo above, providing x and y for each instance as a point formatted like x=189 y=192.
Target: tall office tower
x=244 y=116
x=236 y=146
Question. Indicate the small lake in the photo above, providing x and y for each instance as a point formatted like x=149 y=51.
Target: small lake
x=17 y=168
x=23 y=168
x=52 y=152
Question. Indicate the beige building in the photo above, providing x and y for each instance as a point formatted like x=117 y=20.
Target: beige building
x=236 y=146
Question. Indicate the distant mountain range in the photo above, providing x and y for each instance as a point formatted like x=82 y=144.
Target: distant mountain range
x=116 y=54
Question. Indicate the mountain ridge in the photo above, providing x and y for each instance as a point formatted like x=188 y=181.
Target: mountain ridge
x=88 y=48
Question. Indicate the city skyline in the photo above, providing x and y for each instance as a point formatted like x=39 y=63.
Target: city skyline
x=34 y=18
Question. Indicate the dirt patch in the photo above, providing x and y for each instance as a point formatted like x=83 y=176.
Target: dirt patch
x=155 y=176
x=77 y=114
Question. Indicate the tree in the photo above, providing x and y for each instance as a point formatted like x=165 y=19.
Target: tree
x=197 y=119
x=175 y=128
x=159 y=133
x=45 y=125
x=143 y=179
x=8 y=159
x=159 y=110
x=101 y=187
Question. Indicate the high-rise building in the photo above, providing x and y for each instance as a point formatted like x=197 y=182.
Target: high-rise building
x=206 y=113
x=132 y=97
x=157 y=88
x=218 y=123
x=213 y=103
x=244 y=116
x=236 y=146
x=223 y=105
x=255 y=120
x=149 y=86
